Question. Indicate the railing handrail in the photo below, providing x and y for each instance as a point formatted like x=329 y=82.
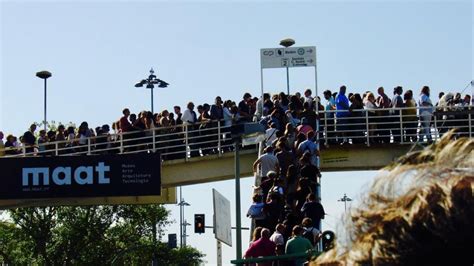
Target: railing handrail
x=458 y=109
x=306 y=254
x=192 y=137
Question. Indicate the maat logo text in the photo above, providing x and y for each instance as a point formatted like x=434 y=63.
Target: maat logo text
x=83 y=175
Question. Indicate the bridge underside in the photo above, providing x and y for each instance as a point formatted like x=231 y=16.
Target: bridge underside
x=336 y=158
x=168 y=195
x=218 y=168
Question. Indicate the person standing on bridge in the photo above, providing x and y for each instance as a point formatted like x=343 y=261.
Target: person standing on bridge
x=397 y=102
x=426 y=111
x=265 y=163
x=342 y=107
x=244 y=108
x=189 y=119
x=329 y=108
x=383 y=102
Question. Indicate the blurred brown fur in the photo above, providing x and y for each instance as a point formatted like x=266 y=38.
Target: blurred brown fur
x=421 y=212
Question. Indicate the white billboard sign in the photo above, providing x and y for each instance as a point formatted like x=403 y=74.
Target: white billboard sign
x=288 y=57
x=222 y=225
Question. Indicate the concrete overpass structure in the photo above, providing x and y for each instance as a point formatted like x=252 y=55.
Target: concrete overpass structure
x=336 y=158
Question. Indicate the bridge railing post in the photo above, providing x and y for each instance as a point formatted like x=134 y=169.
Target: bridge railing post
x=121 y=141
x=435 y=125
x=186 y=141
x=401 y=126
x=153 y=140
x=56 y=152
x=219 y=138
x=470 y=125
x=367 y=127
x=326 y=139
x=89 y=146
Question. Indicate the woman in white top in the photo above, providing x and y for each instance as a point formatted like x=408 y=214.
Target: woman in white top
x=426 y=111
x=227 y=114
x=371 y=107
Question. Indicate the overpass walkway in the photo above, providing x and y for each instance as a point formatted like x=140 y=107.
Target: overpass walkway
x=193 y=154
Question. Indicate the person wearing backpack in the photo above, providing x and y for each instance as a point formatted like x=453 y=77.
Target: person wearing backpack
x=311 y=147
x=311 y=232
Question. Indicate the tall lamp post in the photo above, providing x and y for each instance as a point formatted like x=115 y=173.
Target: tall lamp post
x=44 y=75
x=345 y=199
x=150 y=83
x=287 y=43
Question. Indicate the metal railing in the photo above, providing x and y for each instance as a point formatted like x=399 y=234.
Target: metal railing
x=393 y=125
x=281 y=259
x=362 y=126
x=176 y=142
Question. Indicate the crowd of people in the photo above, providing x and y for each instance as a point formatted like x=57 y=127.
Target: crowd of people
x=340 y=119
x=286 y=210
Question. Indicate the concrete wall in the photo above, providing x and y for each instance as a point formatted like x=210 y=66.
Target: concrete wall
x=336 y=158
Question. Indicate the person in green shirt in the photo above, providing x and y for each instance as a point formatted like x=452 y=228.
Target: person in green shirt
x=298 y=244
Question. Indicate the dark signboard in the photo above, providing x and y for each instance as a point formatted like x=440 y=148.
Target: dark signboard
x=80 y=176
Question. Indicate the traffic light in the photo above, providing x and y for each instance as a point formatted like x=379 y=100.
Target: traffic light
x=199 y=223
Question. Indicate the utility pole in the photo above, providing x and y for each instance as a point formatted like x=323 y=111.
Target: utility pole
x=182 y=221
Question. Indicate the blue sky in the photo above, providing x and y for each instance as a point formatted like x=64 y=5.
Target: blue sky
x=97 y=50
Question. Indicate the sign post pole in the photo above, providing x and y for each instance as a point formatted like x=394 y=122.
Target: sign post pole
x=219 y=253
x=237 y=203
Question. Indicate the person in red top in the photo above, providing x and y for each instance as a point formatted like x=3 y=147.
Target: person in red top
x=262 y=247
x=125 y=125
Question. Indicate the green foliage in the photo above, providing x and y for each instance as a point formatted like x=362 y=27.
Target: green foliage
x=90 y=235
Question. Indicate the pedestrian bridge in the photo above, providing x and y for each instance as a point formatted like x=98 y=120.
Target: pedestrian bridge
x=196 y=154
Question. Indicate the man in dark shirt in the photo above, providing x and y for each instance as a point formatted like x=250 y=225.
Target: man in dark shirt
x=244 y=108
x=313 y=209
x=177 y=111
x=217 y=112
x=29 y=140
x=309 y=114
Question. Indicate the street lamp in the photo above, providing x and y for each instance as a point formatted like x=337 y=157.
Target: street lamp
x=150 y=83
x=345 y=199
x=44 y=75
x=287 y=43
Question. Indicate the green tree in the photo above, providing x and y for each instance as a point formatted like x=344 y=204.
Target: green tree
x=90 y=235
